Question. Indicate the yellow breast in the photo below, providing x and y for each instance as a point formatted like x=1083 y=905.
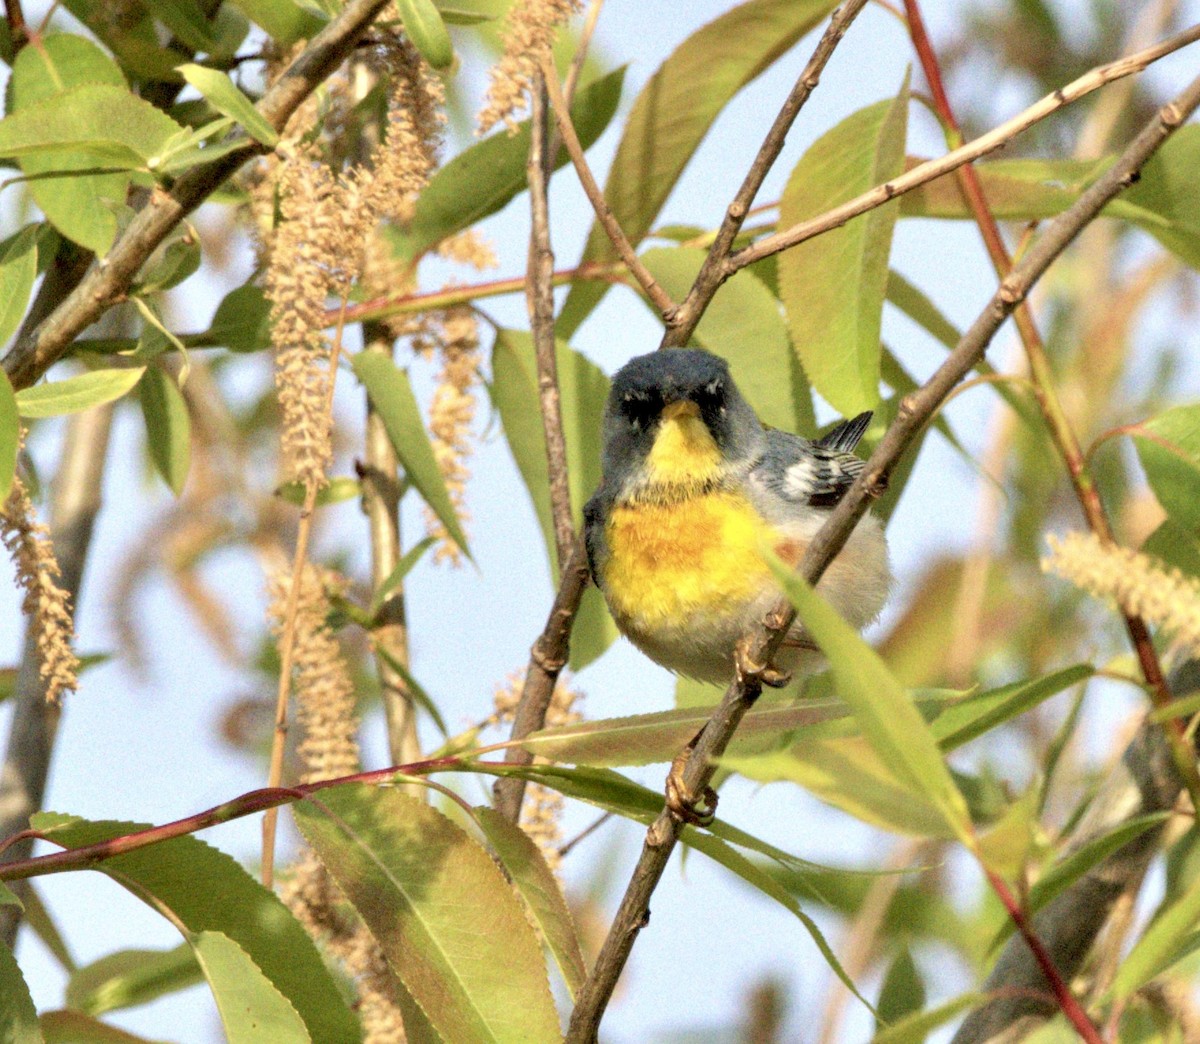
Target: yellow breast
x=671 y=563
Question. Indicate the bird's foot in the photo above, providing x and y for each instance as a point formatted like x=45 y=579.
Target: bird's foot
x=747 y=667
x=680 y=802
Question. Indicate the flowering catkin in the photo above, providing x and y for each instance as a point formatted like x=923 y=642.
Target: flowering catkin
x=1134 y=581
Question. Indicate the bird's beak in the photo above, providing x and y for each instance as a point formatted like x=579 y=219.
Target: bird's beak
x=680 y=408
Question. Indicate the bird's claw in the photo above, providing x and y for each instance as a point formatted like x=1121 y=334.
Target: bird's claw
x=680 y=803
x=748 y=668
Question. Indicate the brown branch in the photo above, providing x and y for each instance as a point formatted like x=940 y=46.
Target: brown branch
x=562 y=115
x=981 y=146
x=682 y=324
x=34 y=725
x=1061 y=431
x=381 y=502
x=916 y=409
x=18 y=29
x=105 y=284
x=539 y=301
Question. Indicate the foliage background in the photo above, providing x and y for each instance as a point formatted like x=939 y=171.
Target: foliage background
x=148 y=745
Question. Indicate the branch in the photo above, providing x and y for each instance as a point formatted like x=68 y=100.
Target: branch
x=539 y=301
x=18 y=29
x=712 y=273
x=1144 y=782
x=981 y=146
x=104 y=285
x=916 y=409
x=35 y=722
x=562 y=115
x=1059 y=425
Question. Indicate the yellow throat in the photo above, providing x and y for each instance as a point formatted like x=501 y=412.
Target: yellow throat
x=684 y=453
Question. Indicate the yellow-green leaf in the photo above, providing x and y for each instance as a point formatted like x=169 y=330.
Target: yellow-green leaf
x=833 y=286
x=78 y=393
x=168 y=427
x=424 y=26
x=226 y=97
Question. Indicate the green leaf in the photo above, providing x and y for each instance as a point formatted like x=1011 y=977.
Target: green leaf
x=539 y=889
x=916 y=1028
x=1176 y=546
x=396 y=577
x=1170 y=452
x=187 y=21
x=241 y=322
x=970 y=718
x=83 y=208
x=414 y=690
x=335 y=491
x=392 y=396
x=583 y=389
x=226 y=97
x=744 y=325
x=76 y=394
x=645 y=739
x=671 y=116
x=285 y=21
x=1161 y=943
x=1018 y=190
x=1165 y=201
x=231 y=902
x=889 y=719
x=18 y=1017
x=903 y=990
x=168 y=427
x=252 y=1010
x=102 y=122
x=74 y=1027
x=131 y=977
x=424 y=26
x=10 y=435
x=448 y=922
x=833 y=286
x=172 y=262
x=482 y=179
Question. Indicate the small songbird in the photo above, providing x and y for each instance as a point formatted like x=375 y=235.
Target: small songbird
x=694 y=486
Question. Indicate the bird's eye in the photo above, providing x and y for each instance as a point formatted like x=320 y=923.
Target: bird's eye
x=640 y=408
x=710 y=397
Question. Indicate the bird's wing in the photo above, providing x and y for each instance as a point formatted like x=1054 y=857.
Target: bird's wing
x=803 y=472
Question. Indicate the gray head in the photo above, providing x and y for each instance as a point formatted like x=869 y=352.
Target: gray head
x=664 y=393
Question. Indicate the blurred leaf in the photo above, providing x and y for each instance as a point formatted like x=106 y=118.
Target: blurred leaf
x=1176 y=546
x=482 y=179
x=671 y=116
x=226 y=97
x=82 y=207
x=448 y=922
x=75 y=394
x=41 y=923
x=644 y=739
x=252 y=1010
x=10 y=437
x=1006 y=846
x=73 y=1027
x=1162 y=943
x=583 y=389
x=134 y=38
x=18 y=1017
x=338 y=489
x=131 y=977
x=903 y=990
x=744 y=325
x=1165 y=200
x=967 y=720
x=172 y=262
x=396 y=577
x=916 y=1027
x=103 y=123
x=692 y=693
x=187 y=21
x=1169 y=450
x=168 y=427
x=241 y=322
x=231 y=902
x=424 y=26
x=540 y=891
x=889 y=720
x=833 y=286
x=18 y=270
x=414 y=690
x=285 y=21
x=392 y=396
x=1075 y=864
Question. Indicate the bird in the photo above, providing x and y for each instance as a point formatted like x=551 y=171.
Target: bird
x=693 y=486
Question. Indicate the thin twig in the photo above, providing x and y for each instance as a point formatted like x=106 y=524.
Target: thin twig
x=108 y=281
x=981 y=146
x=1059 y=425
x=18 y=30
x=682 y=324
x=562 y=115
x=539 y=302
x=915 y=411
x=287 y=641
